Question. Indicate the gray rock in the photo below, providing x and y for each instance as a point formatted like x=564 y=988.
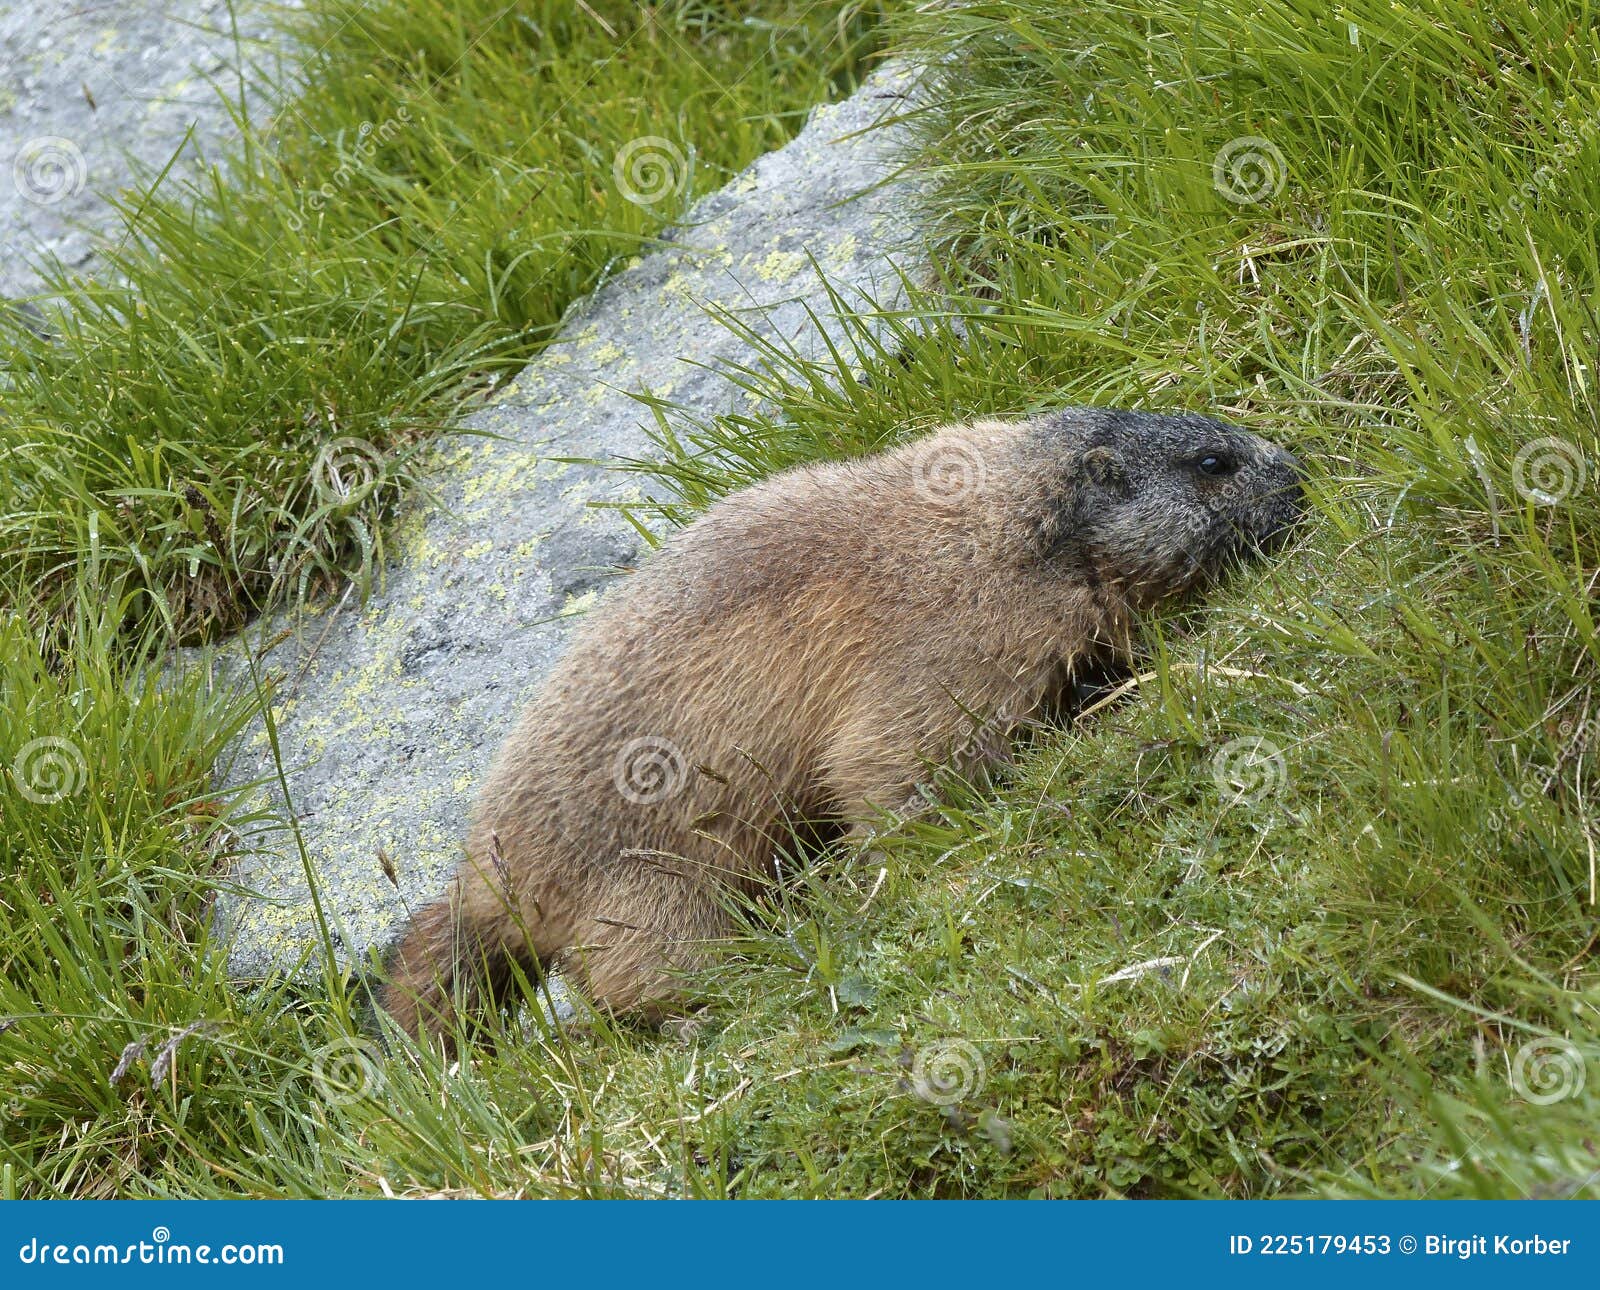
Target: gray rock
x=91 y=95
x=389 y=713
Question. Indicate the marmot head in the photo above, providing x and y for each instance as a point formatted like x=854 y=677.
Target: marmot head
x=1158 y=504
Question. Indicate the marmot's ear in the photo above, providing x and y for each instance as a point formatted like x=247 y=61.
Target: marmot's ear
x=1104 y=467
x=1077 y=498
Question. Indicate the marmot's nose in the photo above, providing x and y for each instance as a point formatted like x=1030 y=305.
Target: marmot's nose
x=1284 y=460
x=1287 y=501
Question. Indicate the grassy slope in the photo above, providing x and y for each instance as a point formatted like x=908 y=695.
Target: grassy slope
x=1366 y=946
x=1369 y=941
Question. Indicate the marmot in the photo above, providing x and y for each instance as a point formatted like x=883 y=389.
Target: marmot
x=803 y=652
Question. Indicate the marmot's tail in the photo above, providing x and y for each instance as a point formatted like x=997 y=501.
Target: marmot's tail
x=453 y=963
x=419 y=988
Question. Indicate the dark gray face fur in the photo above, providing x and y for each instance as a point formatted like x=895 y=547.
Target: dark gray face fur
x=1163 y=503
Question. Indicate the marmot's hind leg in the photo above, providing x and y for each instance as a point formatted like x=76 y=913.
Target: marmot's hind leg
x=456 y=960
x=645 y=935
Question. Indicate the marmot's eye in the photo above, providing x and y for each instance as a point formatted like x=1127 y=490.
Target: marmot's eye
x=1215 y=463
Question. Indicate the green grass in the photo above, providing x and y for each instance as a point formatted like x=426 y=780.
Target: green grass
x=1362 y=971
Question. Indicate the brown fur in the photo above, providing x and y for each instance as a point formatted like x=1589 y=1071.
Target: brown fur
x=803 y=651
